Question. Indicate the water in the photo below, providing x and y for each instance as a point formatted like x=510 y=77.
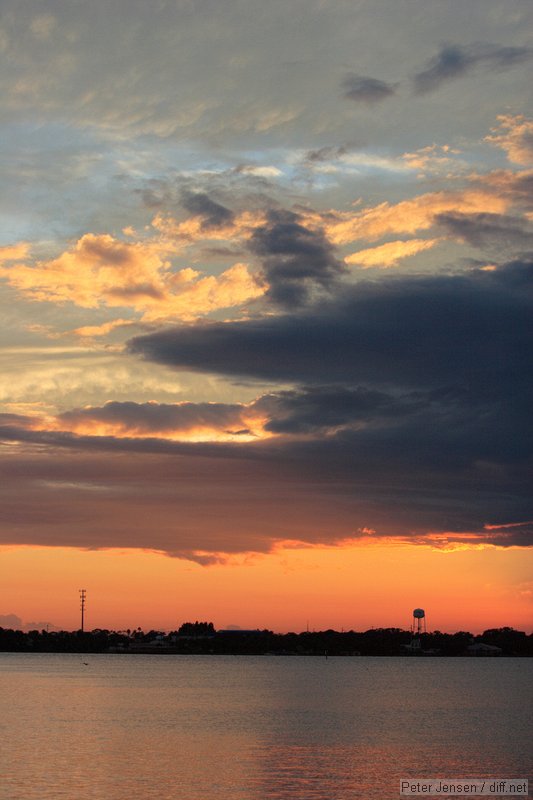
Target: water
x=256 y=728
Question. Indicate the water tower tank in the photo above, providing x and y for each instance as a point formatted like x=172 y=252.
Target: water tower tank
x=419 y=613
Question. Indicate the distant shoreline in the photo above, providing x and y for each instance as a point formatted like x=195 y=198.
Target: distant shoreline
x=223 y=655
x=202 y=639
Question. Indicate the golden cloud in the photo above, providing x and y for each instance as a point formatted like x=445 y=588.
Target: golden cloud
x=405 y=217
x=93 y=331
x=514 y=188
x=101 y=270
x=194 y=229
x=185 y=421
x=388 y=255
x=14 y=252
x=515 y=136
x=139 y=272
x=233 y=287
x=434 y=159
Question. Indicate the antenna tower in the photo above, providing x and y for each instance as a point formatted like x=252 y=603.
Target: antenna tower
x=83 y=595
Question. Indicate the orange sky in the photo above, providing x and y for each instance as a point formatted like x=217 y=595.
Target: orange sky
x=352 y=587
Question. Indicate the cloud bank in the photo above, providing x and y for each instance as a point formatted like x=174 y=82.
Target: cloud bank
x=409 y=414
x=362 y=89
x=456 y=61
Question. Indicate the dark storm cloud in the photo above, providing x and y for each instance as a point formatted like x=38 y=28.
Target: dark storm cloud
x=99 y=492
x=417 y=332
x=309 y=410
x=455 y=61
x=347 y=431
x=157 y=417
x=412 y=415
x=499 y=231
x=17 y=420
x=316 y=409
x=363 y=89
x=213 y=214
x=109 y=444
x=85 y=498
x=517 y=537
x=416 y=418
x=517 y=276
x=418 y=398
x=296 y=261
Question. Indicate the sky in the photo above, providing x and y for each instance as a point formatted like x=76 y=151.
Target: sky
x=266 y=294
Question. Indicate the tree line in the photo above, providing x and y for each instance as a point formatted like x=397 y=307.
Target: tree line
x=203 y=638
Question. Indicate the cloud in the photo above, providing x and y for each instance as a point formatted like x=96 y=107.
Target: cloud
x=491 y=192
x=407 y=216
x=92 y=331
x=14 y=622
x=412 y=418
x=183 y=233
x=514 y=188
x=414 y=396
x=295 y=251
x=17 y=420
x=319 y=409
x=101 y=270
x=435 y=159
x=326 y=153
x=456 y=61
x=297 y=262
x=11 y=621
x=258 y=171
x=189 y=506
x=142 y=82
x=46 y=379
x=98 y=269
x=310 y=410
x=362 y=89
x=15 y=252
x=421 y=468
x=411 y=383
x=190 y=421
x=395 y=404
x=389 y=254
x=384 y=331
x=292 y=253
x=500 y=232
x=514 y=135
x=213 y=214
x=322 y=160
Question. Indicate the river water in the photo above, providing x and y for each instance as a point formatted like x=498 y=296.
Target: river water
x=125 y=727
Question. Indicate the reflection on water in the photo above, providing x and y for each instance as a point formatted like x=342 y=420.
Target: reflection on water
x=226 y=728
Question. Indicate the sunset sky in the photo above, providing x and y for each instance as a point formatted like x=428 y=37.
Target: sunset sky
x=266 y=313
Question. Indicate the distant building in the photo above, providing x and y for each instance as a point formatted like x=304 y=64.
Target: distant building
x=482 y=649
x=238 y=632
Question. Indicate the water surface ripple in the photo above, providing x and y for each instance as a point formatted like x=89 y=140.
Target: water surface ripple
x=256 y=728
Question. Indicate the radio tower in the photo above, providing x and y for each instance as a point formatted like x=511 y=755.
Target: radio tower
x=83 y=594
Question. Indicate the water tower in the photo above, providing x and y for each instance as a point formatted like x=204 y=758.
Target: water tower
x=419 y=621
